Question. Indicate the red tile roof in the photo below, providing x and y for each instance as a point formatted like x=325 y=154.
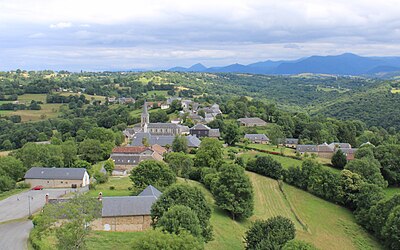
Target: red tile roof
x=130 y=149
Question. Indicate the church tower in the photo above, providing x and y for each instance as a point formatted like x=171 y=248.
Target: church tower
x=145 y=118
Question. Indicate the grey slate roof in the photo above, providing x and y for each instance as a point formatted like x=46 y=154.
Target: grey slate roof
x=252 y=120
x=214 y=132
x=254 y=137
x=162 y=140
x=55 y=173
x=341 y=144
x=127 y=205
x=200 y=126
x=150 y=191
x=291 y=141
x=306 y=148
x=130 y=205
x=162 y=125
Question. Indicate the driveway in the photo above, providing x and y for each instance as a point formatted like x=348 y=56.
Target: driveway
x=14 y=235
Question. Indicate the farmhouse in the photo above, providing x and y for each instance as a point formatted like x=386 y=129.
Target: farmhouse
x=125 y=158
x=127 y=213
x=201 y=130
x=291 y=142
x=257 y=138
x=252 y=122
x=57 y=177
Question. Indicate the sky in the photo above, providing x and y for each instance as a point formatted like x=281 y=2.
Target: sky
x=96 y=35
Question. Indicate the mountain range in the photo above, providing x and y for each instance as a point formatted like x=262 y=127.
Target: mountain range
x=344 y=64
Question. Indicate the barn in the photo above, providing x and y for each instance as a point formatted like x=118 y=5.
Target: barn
x=57 y=177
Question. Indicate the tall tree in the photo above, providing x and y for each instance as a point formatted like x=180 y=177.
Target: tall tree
x=231 y=133
x=151 y=172
x=233 y=191
x=180 y=144
x=209 y=154
x=339 y=159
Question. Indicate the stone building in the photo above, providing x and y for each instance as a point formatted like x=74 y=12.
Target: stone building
x=252 y=122
x=125 y=158
x=127 y=213
x=201 y=130
x=326 y=150
x=57 y=177
x=257 y=138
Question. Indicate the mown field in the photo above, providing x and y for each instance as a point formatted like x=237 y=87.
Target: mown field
x=322 y=223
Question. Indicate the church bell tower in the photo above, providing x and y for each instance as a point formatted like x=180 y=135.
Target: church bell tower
x=145 y=118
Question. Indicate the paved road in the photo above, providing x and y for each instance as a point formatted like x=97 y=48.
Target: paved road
x=14 y=235
x=17 y=206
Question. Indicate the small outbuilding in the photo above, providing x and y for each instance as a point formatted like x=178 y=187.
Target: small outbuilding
x=57 y=177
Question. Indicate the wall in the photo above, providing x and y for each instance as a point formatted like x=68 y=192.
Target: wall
x=123 y=223
x=54 y=183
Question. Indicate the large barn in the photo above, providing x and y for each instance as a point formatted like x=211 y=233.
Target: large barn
x=57 y=177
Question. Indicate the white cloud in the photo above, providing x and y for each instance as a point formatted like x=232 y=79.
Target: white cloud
x=61 y=25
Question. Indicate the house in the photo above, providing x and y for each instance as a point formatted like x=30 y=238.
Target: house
x=171 y=99
x=125 y=158
x=57 y=177
x=252 y=122
x=201 y=130
x=257 y=138
x=291 y=142
x=162 y=140
x=127 y=213
x=126 y=100
x=164 y=106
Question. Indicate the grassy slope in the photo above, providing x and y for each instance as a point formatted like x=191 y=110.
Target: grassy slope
x=329 y=226
x=121 y=185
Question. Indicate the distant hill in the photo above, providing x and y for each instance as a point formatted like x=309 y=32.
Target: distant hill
x=344 y=64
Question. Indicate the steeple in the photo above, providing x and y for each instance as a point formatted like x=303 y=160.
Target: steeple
x=145 y=118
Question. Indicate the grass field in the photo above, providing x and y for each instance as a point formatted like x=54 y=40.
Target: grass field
x=7 y=194
x=395 y=91
x=329 y=226
x=121 y=185
x=112 y=240
x=88 y=97
x=157 y=92
x=47 y=111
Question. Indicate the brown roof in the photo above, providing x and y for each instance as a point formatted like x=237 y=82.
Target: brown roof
x=130 y=149
x=158 y=149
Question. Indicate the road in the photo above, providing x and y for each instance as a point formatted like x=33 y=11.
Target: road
x=14 y=235
x=17 y=206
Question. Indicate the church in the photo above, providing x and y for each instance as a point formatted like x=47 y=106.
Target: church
x=160 y=128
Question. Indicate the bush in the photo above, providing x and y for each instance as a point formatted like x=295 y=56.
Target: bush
x=22 y=185
x=265 y=165
x=112 y=188
x=101 y=177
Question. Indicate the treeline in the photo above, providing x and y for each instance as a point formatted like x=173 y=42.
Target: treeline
x=358 y=187
x=57 y=98
x=34 y=105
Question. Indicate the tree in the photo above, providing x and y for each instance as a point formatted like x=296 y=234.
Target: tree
x=152 y=172
x=180 y=144
x=231 y=133
x=265 y=165
x=159 y=116
x=298 y=245
x=201 y=113
x=209 y=153
x=155 y=239
x=92 y=150
x=179 y=219
x=175 y=106
x=364 y=152
x=389 y=158
x=276 y=134
x=109 y=166
x=69 y=152
x=339 y=159
x=233 y=191
x=12 y=167
x=350 y=184
x=391 y=230
x=270 y=234
x=368 y=169
x=192 y=197
x=369 y=195
x=180 y=163
x=6 y=183
x=378 y=214
x=82 y=164
x=72 y=231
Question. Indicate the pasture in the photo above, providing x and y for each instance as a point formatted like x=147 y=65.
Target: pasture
x=120 y=184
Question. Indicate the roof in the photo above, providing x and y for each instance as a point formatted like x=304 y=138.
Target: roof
x=256 y=137
x=55 y=173
x=341 y=144
x=291 y=141
x=307 y=148
x=162 y=125
x=125 y=159
x=347 y=150
x=252 y=120
x=199 y=126
x=130 y=205
x=162 y=140
x=150 y=191
x=214 y=132
x=130 y=149
x=127 y=205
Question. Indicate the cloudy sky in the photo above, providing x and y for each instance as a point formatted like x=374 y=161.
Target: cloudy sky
x=156 y=34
